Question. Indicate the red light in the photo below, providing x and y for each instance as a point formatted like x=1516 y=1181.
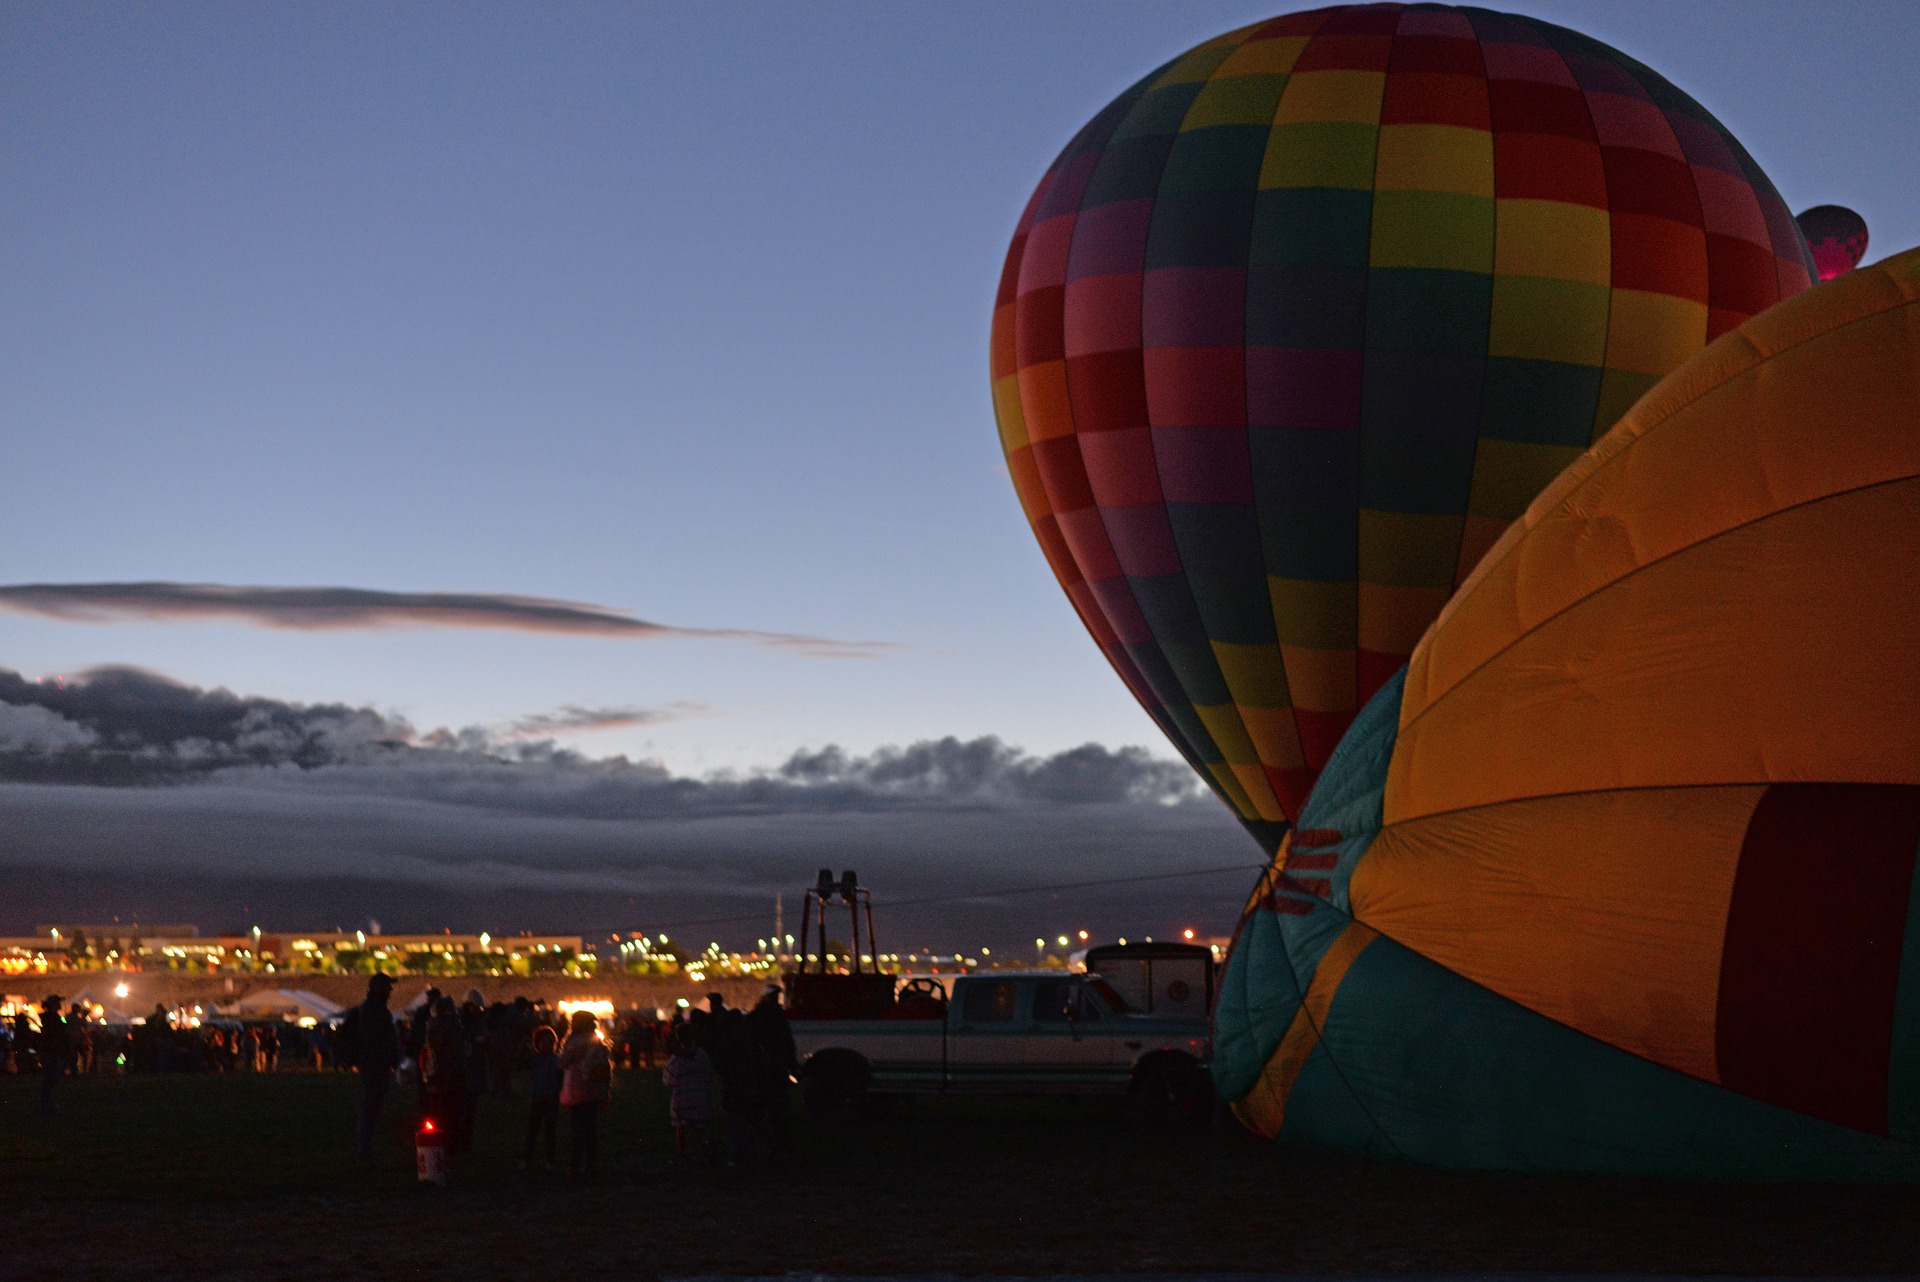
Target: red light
x=427 y=1125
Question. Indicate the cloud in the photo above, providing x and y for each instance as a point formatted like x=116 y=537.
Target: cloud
x=121 y=788
x=124 y=725
x=37 y=730
x=570 y=717
x=323 y=609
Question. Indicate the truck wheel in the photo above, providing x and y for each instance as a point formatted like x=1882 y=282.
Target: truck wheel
x=835 y=1091
x=1172 y=1089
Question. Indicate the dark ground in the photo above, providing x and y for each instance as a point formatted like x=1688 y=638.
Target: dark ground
x=145 y=1179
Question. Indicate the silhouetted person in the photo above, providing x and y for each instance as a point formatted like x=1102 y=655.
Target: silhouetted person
x=688 y=1078
x=779 y=1061
x=500 y=1048
x=23 y=1043
x=80 y=1046
x=417 y=1041
x=150 y=1041
x=473 y=1035
x=521 y=1028
x=444 y=1067
x=586 y=1082
x=55 y=1050
x=372 y=1045
x=543 y=1083
x=737 y=1062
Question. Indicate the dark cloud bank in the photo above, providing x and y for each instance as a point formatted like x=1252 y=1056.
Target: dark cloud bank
x=122 y=792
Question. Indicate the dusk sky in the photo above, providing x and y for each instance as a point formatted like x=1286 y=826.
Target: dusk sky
x=676 y=312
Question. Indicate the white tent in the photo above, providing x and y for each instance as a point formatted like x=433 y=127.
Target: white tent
x=286 y=1003
x=117 y=1009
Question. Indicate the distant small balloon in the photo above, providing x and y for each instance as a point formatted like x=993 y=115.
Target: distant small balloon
x=1837 y=236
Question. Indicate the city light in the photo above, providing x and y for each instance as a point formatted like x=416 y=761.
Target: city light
x=120 y=990
x=1189 y=934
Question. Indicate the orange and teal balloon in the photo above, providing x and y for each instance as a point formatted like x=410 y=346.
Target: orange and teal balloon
x=1296 y=326
x=1620 y=873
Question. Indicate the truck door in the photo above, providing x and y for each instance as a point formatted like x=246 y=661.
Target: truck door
x=1068 y=1044
x=985 y=1047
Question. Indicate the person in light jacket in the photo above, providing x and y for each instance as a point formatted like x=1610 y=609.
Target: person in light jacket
x=586 y=1081
x=689 y=1079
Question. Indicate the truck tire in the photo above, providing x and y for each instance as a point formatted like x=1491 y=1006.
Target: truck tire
x=834 y=1087
x=1172 y=1088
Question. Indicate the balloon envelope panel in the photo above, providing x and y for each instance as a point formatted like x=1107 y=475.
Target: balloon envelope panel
x=1652 y=781
x=1297 y=325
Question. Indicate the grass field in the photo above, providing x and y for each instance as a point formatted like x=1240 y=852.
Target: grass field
x=215 y=1177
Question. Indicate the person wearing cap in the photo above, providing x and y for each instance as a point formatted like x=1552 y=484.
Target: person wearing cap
x=373 y=1045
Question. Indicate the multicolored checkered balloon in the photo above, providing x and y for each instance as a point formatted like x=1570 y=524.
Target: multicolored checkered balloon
x=1297 y=325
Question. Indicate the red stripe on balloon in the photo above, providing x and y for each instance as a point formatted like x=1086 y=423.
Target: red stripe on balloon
x=1808 y=978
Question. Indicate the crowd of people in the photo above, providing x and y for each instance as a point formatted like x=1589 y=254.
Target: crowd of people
x=719 y=1065
x=67 y=1039
x=720 y=1062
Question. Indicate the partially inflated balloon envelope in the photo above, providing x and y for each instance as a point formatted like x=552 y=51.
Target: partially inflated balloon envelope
x=1619 y=875
x=1837 y=238
x=1298 y=324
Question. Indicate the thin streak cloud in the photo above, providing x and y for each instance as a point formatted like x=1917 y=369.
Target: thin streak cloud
x=324 y=609
x=570 y=717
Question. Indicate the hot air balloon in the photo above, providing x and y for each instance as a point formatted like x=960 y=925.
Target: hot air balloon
x=1619 y=874
x=1836 y=236
x=1297 y=325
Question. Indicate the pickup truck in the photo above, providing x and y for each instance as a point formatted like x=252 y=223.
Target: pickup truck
x=1008 y=1031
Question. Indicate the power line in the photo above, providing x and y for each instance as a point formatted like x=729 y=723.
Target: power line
x=992 y=894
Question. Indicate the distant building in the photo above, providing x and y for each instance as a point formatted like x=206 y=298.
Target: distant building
x=185 y=948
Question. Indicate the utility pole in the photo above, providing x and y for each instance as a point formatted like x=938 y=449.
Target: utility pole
x=779 y=922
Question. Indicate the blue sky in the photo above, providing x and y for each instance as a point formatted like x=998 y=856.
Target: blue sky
x=679 y=309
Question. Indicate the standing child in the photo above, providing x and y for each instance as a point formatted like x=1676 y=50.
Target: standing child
x=543 y=1116
x=586 y=1081
x=689 y=1081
